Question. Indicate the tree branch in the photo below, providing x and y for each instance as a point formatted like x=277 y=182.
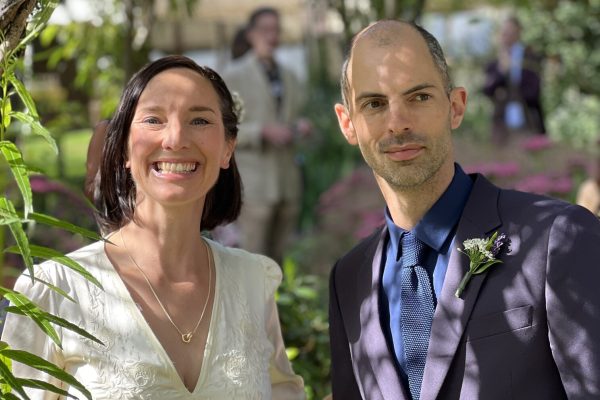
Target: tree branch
x=13 y=21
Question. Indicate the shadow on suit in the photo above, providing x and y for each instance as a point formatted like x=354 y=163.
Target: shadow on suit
x=527 y=329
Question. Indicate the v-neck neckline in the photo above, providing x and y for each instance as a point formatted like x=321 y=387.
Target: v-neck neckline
x=143 y=323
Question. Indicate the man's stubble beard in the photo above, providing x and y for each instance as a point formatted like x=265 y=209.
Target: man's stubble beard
x=413 y=175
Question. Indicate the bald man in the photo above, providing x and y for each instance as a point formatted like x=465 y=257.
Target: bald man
x=406 y=320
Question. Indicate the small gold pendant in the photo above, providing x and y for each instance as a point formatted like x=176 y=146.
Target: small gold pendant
x=187 y=337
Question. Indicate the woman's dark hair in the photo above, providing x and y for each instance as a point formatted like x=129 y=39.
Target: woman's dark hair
x=259 y=12
x=116 y=197
x=239 y=45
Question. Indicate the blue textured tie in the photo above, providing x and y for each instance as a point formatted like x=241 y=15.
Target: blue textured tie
x=418 y=305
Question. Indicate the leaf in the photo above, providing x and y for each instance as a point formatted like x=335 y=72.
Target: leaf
x=10 y=380
x=4 y=387
x=50 y=254
x=54 y=288
x=491 y=240
x=55 y=319
x=58 y=223
x=10 y=396
x=37 y=384
x=38 y=22
x=36 y=128
x=19 y=169
x=7 y=217
x=42 y=365
x=19 y=234
x=48 y=35
x=6 y=110
x=24 y=306
x=487 y=265
x=292 y=352
x=306 y=293
x=23 y=95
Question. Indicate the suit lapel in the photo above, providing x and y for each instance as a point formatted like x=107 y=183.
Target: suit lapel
x=479 y=219
x=382 y=361
x=372 y=343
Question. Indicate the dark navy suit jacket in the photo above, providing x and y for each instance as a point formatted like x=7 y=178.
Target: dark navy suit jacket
x=527 y=329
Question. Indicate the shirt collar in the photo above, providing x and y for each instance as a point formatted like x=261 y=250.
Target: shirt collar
x=438 y=223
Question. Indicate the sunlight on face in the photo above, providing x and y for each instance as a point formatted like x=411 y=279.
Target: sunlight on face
x=401 y=117
x=177 y=143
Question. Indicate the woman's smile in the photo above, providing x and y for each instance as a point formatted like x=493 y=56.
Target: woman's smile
x=165 y=167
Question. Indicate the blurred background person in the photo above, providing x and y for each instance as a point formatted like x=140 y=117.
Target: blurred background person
x=239 y=45
x=273 y=99
x=513 y=83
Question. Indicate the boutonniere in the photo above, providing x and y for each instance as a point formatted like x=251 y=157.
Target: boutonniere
x=482 y=253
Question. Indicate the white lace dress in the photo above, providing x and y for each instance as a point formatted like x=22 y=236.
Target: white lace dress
x=244 y=356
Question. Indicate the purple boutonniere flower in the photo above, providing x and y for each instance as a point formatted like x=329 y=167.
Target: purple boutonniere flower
x=482 y=253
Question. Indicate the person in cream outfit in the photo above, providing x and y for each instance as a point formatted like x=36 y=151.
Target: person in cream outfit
x=271 y=127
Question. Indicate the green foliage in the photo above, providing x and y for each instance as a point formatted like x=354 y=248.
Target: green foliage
x=41 y=365
x=476 y=125
x=357 y=14
x=17 y=231
x=98 y=60
x=56 y=256
x=18 y=212
x=568 y=35
x=329 y=156
x=302 y=305
x=116 y=44
x=576 y=120
x=14 y=159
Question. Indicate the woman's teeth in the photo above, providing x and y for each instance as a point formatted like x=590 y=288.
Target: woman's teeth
x=180 y=168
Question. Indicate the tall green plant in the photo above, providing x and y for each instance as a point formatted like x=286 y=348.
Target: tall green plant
x=17 y=213
x=302 y=304
x=567 y=33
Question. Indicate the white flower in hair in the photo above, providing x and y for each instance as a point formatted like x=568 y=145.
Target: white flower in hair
x=238 y=105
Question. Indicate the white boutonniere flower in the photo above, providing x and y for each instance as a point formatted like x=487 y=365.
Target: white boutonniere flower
x=482 y=253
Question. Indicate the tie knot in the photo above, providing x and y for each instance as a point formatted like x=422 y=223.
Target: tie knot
x=414 y=251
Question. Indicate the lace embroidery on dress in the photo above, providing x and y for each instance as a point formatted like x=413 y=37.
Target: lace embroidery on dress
x=130 y=367
x=242 y=346
x=125 y=378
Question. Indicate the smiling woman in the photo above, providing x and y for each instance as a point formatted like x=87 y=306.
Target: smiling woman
x=177 y=143
x=181 y=317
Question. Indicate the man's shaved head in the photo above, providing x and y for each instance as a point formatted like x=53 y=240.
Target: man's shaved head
x=387 y=33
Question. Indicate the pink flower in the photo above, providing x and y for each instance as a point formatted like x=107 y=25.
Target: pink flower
x=506 y=169
x=544 y=184
x=537 y=143
x=369 y=221
x=540 y=183
x=562 y=185
x=484 y=168
x=495 y=169
x=41 y=184
x=579 y=164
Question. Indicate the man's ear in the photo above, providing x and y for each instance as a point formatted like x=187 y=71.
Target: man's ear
x=346 y=126
x=458 y=106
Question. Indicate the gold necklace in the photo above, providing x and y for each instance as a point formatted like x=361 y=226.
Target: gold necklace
x=186 y=337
